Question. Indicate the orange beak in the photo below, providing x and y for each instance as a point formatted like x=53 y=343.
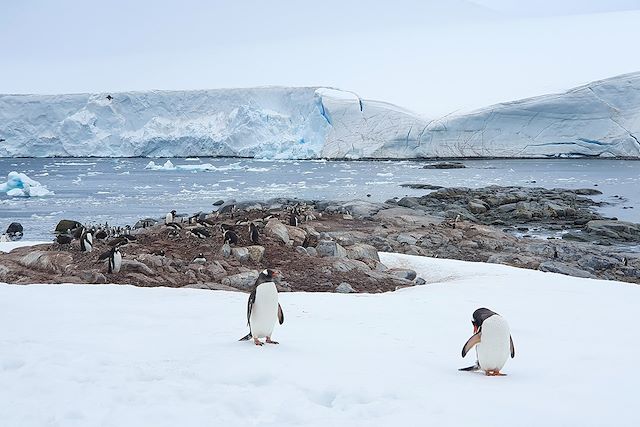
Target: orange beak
x=475 y=329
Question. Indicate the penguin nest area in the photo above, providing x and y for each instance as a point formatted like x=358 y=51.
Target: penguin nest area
x=304 y=255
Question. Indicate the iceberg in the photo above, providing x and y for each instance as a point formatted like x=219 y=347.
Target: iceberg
x=600 y=119
x=20 y=185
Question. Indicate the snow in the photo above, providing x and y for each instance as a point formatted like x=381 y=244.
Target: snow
x=126 y=356
x=601 y=119
x=9 y=246
x=20 y=185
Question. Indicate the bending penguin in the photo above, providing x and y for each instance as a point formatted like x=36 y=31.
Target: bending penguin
x=263 y=309
x=492 y=338
x=86 y=241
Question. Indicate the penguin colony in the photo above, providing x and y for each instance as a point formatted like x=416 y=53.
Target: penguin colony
x=491 y=334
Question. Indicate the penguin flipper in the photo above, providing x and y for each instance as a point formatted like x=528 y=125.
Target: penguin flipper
x=475 y=339
x=104 y=255
x=475 y=367
x=280 y=314
x=252 y=299
x=513 y=349
x=246 y=337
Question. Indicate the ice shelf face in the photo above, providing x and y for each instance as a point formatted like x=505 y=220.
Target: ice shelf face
x=601 y=119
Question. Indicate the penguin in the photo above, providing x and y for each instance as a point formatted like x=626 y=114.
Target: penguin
x=263 y=309
x=293 y=218
x=230 y=237
x=158 y=252
x=254 y=236
x=200 y=259
x=200 y=232
x=63 y=239
x=174 y=225
x=86 y=241
x=173 y=234
x=115 y=259
x=101 y=234
x=109 y=97
x=493 y=339
x=170 y=217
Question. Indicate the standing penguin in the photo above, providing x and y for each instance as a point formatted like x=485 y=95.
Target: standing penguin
x=263 y=309
x=230 y=237
x=254 y=236
x=293 y=218
x=170 y=218
x=492 y=338
x=86 y=241
x=115 y=259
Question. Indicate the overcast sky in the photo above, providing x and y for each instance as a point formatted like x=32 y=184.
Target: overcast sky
x=433 y=57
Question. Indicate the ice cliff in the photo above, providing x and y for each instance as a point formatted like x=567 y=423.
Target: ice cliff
x=601 y=119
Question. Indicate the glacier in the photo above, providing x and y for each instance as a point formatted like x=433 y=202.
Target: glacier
x=600 y=119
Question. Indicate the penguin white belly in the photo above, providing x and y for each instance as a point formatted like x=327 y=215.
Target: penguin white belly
x=494 y=346
x=117 y=262
x=264 y=312
x=168 y=219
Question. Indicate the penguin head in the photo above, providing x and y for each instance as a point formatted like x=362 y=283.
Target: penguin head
x=173 y=212
x=479 y=316
x=269 y=274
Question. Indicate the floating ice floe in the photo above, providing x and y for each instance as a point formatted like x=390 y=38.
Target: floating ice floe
x=20 y=185
x=169 y=166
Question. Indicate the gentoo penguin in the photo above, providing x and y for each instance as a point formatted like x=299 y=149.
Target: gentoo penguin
x=115 y=259
x=492 y=338
x=230 y=237
x=200 y=232
x=200 y=259
x=63 y=239
x=254 y=236
x=263 y=309
x=173 y=234
x=86 y=241
x=101 y=234
x=293 y=218
x=159 y=252
x=170 y=218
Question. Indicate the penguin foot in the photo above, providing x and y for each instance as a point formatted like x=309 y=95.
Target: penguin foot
x=495 y=374
x=256 y=341
x=271 y=342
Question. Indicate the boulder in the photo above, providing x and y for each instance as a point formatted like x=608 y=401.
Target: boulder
x=406 y=239
x=361 y=251
x=301 y=250
x=327 y=248
x=557 y=267
x=244 y=280
x=256 y=253
x=46 y=260
x=476 y=206
x=618 y=230
x=136 y=266
x=403 y=273
x=298 y=235
x=312 y=251
x=67 y=224
x=343 y=265
x=241 y=254
x=345 y=288
x=277 y=230
x=225 y=250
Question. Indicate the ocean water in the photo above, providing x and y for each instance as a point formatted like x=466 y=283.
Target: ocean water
x=120 y=191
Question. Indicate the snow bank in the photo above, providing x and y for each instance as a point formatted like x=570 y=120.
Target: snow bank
x=125 y=356
x=20 y=185
x=601 y=119
x=9 y=246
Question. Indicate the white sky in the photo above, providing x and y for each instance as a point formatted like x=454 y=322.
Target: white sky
x=433 y=57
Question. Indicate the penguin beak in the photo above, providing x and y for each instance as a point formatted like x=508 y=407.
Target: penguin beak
x=475 y=328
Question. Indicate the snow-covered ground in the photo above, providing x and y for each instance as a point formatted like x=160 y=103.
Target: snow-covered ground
x=124 y=356
x=601 y=119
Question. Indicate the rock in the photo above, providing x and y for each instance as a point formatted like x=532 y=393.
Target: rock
x=345 y=288
x=67 y=224
x=244 y=280
x=422 y=186
x=227 y=207
x=617 y=230
x=241 y=254
x=150 y=260
x=312 y=251
x=598 y=262
x=47 y=261
x=409 y=202
x=406 y=239
x=361 y=209
x=145 y=223
x=403 y=273
x=215 y=269
x=343 y=265
x=444 y=165
x=476 y=206
x=136 y=266
x=329 y=248
x=225 y=250
x=15 y=231
x=301 y=250
x=89 y=276
x=256 y=253
x=218 y=203
x=419 y=281
x=209 y=286
x=297 y=234
x=277 y=230
x=362 y=251
x=587 y=191
x=556 y=267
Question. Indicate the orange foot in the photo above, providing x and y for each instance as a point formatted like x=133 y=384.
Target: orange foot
x=256 y=341
x=495 y=373
x=271 y=342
